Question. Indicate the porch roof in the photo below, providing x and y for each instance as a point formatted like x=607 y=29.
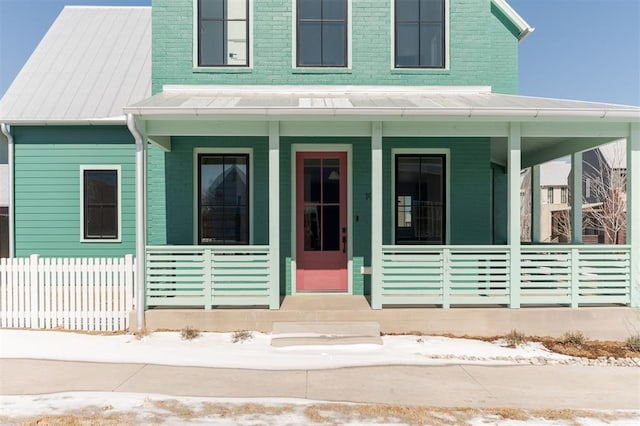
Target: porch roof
x=367 y=102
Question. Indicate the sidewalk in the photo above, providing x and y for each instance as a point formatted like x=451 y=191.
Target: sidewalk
x=551 y=386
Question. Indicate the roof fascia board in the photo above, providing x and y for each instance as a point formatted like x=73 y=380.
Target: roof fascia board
x=80 y=122
x=524 y=28
x=500 y=114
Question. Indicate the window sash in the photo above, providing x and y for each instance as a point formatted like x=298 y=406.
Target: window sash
x=421 y=27
x=224 y=25
x=418 y=215
x=221 y=220
x=100 y=205
x=328 y=30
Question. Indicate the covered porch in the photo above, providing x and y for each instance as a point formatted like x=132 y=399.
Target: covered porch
x=372 y=125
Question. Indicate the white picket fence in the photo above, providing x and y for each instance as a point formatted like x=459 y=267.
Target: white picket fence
x=94 y=294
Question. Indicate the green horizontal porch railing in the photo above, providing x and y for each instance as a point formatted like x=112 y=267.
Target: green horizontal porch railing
x=207 y=276
x=576 y=275
x=480 y=275
x=445 y=275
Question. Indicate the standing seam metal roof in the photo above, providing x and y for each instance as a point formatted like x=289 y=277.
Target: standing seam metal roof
x=91 y=62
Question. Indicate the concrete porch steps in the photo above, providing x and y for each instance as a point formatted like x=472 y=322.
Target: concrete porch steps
x=302 y=333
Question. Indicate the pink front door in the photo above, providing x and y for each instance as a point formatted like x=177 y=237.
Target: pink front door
x=321 y=221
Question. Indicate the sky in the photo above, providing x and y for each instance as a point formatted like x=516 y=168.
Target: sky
x=580 y=49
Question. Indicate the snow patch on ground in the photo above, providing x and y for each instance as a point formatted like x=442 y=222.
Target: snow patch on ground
x=218 y=350
x=162 y=409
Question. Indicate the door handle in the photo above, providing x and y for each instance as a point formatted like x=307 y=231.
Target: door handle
x=344 y=243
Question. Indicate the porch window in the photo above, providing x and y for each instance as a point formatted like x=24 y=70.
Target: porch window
x=420 y=199
x=223 y=202
x=321 y=33
x=419 y=33
x=100 y=213
x=223 y=33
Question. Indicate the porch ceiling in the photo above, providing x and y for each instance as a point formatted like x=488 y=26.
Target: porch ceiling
x=538 y=150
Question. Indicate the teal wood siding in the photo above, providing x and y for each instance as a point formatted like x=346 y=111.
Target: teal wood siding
x=500 y=205
x=179 y=194
x=47 y=188
x=469 y=189
x=478 y=38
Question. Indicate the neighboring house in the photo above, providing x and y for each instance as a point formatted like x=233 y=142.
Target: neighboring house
x=250 y=150
x=554 y=187
x=604 y=187
x=603 y=201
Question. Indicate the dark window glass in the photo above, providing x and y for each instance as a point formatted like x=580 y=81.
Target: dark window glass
x=419 y=38
x=223 y=188
x=321 y=204
x=223 y=32
x=322 y=33
x=420 y=199
x=100 y=204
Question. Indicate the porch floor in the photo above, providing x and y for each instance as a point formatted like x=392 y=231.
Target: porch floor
x=605 y=323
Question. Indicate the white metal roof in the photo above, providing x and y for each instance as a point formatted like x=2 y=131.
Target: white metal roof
x=91 y=62
x=615 y=154
x=367 y=101
x=555 y=173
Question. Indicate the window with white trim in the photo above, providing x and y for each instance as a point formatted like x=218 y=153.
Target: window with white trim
x=419 y=39
x=100 y=203
x=223 y=33
x=420 y=198
x=223 y=198
x=321 y=33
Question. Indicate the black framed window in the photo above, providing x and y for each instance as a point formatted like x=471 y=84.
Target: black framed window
x=100 y=204
x=420 y=199
x=419 y=33
x=223 y=201
x=223 y=33
x=321 y=33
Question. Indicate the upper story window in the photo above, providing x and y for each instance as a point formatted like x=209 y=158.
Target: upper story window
x=223 y=33
x=321 y=33
x=549 y=195
x=419 y=33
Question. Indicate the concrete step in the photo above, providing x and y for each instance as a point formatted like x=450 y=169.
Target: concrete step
x=325 y=333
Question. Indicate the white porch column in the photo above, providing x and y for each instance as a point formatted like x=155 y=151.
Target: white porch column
x=633 y=209
x=576 y=198
x=141 y=219
x=376 y=215
x=274 y=213
x=513 y=238
x=535 y=204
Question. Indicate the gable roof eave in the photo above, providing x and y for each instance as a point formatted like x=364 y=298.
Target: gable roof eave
x=524 y=29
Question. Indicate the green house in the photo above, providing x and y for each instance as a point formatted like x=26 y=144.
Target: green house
x=246 y=150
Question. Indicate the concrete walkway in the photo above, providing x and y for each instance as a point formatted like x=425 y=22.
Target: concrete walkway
x=571 y=387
